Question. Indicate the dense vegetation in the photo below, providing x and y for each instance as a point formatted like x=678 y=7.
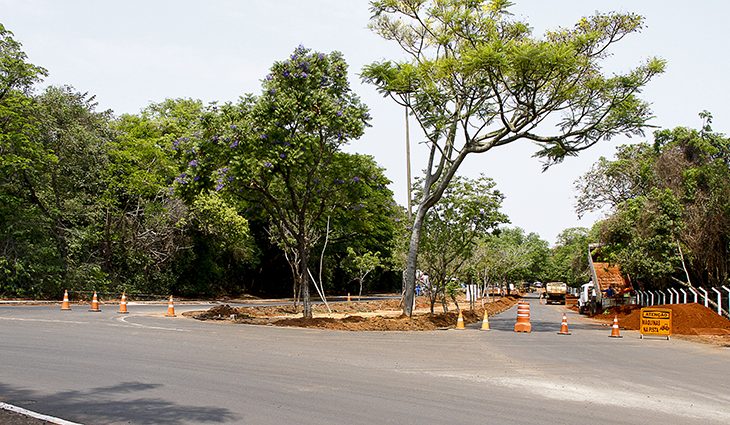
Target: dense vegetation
x=257 y=196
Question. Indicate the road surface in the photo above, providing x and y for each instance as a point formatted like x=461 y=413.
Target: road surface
x=144 y=368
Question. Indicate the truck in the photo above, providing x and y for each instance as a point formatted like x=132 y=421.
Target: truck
x=555 y=292
x=608 y=286
x=588 y=299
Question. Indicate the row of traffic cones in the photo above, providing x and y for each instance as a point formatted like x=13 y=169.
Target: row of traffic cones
x=523 y=322
x=66 y=305
x=485 y=321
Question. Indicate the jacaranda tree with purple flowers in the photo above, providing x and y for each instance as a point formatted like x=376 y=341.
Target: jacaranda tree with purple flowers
x=281 y=151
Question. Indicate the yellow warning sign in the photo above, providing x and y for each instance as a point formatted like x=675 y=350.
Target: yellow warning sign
x=656 y=322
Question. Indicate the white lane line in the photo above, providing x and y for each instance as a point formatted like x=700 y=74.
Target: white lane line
x=36 y=415
x=123 y=319
x=42 y=320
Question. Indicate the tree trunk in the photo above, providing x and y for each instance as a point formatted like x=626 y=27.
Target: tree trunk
x=303 y=276
x=410 y=274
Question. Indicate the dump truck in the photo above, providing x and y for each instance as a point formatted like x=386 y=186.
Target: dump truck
x=555 y=292
x=594 y=295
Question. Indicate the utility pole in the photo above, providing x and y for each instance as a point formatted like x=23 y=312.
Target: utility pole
x=408 y=164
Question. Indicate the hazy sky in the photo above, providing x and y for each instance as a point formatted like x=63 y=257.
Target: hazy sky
x=130 y=53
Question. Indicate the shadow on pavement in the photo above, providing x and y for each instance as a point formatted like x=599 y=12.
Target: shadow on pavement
x=104 y=405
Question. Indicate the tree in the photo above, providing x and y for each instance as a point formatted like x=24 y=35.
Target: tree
x=477 y=79
x=280 y=151
x=568 y=259
x=362 y=264
x=668 y=202
x=22 y=241
x=510 y=255
x=59 y=158
x=468 y=211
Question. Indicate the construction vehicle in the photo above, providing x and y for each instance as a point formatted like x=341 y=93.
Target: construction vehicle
x=608 y=286
x=555 y=292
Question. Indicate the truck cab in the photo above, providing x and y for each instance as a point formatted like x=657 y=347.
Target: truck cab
x=587 y=301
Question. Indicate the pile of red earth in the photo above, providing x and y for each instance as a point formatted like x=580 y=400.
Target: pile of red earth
x=352 y=321
x=687 y=319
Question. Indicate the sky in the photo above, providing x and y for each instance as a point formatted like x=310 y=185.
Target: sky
x=132 y=53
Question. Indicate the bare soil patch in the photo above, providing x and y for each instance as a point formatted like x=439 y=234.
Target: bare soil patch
x=691 y=321
x=384 y=315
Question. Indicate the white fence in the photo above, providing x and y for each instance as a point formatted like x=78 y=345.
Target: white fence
x=715 y=298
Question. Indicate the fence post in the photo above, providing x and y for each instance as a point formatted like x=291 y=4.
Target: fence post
x=676 y=295
x=704 y=293
x=719 y=301
x=685 y=295
x=694 y=292
x=728 y=299
x=652 y=297
x=671 y=296
x=664 y=297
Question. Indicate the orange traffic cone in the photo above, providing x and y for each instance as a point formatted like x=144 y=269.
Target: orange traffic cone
x=460 y=321
x=564 y=326
x=523 y=317
x=614 y=329
x=123 y=305
x=485 y=321
x=65 y=305
x=95 y=304
x=170 y=308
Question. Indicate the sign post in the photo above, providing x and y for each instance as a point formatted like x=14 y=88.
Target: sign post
x=656 y=322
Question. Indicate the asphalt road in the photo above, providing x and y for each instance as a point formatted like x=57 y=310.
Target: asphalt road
x=144 y=368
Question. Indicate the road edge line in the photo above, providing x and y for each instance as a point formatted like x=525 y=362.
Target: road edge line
x=36 y=415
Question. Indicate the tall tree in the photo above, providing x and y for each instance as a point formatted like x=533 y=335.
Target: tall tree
x=477 y=79
x=568 y=259
x=668 y=201
x=281 y=151
x=22 y=242
x=469 y=210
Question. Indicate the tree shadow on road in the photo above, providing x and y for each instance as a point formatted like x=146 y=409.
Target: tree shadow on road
x=112 y=404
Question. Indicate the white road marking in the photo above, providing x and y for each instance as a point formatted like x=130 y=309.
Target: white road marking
x=42 y=320
x=123 y=319
x=51 y=419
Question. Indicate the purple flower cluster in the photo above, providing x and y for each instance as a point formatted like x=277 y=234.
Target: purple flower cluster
x=234 y=144
x=193 y=163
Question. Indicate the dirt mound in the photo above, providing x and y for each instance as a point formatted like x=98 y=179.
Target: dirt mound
x=221 y=312
x=687 y=319
x=356 y=316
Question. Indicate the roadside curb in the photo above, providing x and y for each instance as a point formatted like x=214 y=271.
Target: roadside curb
x=36 y=415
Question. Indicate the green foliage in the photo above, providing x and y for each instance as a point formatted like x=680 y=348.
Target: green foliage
x=469 y=210
x=185 y=198
x=475 y=78
x=568 y=261
x=666 y=197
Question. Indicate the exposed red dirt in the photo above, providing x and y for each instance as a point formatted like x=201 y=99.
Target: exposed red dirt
x=687 y=319
x=354 y=316
x=693 y=322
